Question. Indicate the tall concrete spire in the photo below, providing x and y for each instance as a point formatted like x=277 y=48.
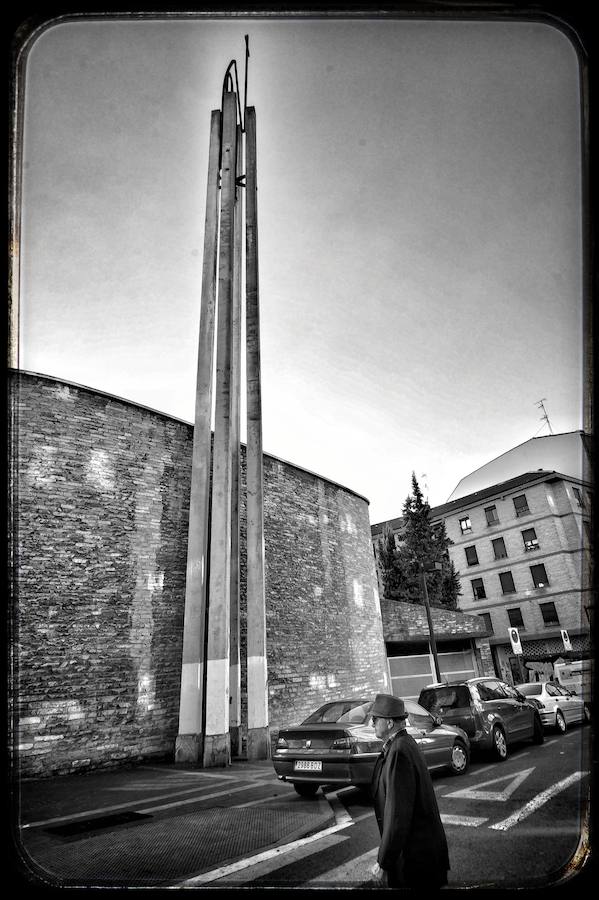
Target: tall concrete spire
x=189 y=744
x=210 y=721
x=217 y=745
x=258 y=746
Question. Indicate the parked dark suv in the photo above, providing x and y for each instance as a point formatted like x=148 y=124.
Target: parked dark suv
x=492 y=713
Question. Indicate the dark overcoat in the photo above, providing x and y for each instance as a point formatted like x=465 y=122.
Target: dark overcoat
x=413 y=848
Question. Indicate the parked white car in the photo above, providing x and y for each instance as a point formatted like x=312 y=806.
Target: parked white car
x=557 y=706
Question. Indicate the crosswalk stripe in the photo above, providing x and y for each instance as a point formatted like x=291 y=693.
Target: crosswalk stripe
x=468 y=821
x=354 y=870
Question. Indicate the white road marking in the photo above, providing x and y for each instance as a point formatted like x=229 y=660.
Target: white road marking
x=201 y=797
x=86 y=814
x=354 y=870
x=468 y=821
x=223 y=773
x=537 y=802
x=269 y=858
x=364 y=815
x=258 y=870
x=342 y=816
x=475 y=792
x=215 y=874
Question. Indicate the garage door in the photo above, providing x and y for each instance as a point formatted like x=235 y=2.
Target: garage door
x=409 y=674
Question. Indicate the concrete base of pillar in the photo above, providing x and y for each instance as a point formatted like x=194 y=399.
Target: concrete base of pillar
x=235 y=732
x=217 y=750
x=188 y=749
x=258 y=743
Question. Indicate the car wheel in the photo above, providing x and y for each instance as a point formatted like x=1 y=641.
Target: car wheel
x=538 y=735
x=560 y=722
x=499 y=743
x=459 y=758
x=306 y=790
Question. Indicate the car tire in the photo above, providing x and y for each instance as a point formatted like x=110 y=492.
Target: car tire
x=560 y=722
x=459 y=758
x=499 y=743
x=538 y=734
x=306 y=790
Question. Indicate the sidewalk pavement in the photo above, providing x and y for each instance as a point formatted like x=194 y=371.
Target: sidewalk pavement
x=157 y=824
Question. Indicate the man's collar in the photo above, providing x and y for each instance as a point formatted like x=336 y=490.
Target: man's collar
x=391 y=737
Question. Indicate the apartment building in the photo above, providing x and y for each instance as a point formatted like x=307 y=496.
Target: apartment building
x=521 y=548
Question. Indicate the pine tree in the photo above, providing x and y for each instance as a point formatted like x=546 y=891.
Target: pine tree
x=422 y=547
x=391 y=572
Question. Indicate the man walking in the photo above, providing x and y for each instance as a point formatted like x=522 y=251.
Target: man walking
x=413 y=851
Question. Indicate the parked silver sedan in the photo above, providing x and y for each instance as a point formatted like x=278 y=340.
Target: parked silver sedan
x=557 y=707
x=337 y=745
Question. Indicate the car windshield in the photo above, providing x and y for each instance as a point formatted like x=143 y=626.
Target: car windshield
x=354 y=712
x=529 y=690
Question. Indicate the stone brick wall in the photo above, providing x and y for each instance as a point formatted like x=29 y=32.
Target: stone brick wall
x=101 y=510
x=408 y=622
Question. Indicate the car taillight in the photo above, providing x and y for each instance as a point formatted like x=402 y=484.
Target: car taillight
x=282 y=744
x=344 y=743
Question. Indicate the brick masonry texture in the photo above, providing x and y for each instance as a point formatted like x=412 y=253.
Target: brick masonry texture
x=101 y=506
x=408 y=622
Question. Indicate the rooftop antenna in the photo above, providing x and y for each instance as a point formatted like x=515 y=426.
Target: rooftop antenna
x=544 y=417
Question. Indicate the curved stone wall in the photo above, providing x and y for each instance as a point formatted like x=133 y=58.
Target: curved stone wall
x=101 y=504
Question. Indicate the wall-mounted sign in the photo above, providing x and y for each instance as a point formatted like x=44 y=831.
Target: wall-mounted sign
x=515 y=640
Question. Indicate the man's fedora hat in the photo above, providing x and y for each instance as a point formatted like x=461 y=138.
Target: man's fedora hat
x=386 y=706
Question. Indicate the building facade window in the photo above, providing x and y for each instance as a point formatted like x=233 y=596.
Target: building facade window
x=521 y=505
x=529 y=536
x=539 y=576
x=578 y=496
x=549 y=613
x=515 y=617
x=466 y=525
x=486 y=617
x=478 y=589
x=491 y=514
x=507 y=583
x=499 y=550
x=471 y=555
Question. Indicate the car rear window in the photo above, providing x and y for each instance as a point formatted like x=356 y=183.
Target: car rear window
x=529 y=690
x=446 y=697
x=357 y=715
x=333 y=712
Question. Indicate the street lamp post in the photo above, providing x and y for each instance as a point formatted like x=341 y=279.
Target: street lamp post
x=431 y=630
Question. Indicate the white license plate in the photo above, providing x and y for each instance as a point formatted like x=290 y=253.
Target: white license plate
x=308 y=765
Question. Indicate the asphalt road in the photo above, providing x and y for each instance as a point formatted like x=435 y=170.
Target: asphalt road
x=514 y=824
x=511 y=824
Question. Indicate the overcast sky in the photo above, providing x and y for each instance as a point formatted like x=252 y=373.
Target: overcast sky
x=419 y=231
